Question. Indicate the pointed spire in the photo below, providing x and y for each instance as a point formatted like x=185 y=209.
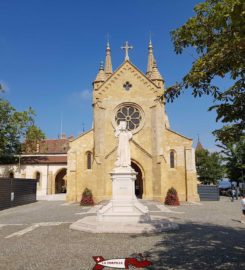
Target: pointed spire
x=151 y=59
x=199 y=146
x=100 y=78
x=156 y=77
x=101 y=74
x=155 y=74
x=108 y=65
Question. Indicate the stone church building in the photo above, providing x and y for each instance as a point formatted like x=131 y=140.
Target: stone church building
x=161 y=157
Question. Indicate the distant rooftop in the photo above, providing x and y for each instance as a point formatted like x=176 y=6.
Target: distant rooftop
x=44 y=160
x=53 y=146
x=50 y=146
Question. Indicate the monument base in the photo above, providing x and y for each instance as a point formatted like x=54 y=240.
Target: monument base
x=124 y=213
x=155 y=225
x=124 y=205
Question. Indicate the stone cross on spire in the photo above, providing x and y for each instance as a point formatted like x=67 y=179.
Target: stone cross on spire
x=126 y=47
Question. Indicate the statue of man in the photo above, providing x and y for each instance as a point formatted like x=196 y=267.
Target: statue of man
x=123 y=150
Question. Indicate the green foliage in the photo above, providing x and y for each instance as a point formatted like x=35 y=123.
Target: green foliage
x=34 y=133
x=14 y=126
x=209 y=166
x=216 y=32
x=32 y=137
x=87 y=192
x=172 y=197
x=234 y=157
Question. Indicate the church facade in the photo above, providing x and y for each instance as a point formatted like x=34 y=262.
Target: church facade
x=161 y=157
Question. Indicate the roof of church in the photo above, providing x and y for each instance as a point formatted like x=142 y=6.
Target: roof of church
x=178 y=134
x=116 y=71
x=81 y=135
x=106 y=72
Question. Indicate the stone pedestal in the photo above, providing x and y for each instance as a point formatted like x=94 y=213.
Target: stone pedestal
x=124 y=213
x=124 y=206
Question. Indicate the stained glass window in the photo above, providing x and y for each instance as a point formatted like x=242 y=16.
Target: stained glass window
x=127 y=86
x=130 y=114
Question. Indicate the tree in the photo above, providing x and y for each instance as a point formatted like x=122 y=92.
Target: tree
x=32 y=137
x=234 y=157
x=209 y=166
x=14 y=126
x=216 y=32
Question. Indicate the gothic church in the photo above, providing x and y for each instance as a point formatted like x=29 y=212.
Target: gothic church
x=161 y=157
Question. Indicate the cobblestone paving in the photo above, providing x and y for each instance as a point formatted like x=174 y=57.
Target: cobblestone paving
x=210 y=237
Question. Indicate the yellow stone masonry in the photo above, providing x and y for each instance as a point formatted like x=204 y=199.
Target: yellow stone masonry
x=151 y=146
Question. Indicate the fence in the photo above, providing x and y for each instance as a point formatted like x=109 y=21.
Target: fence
x=17 y=191
x=208 y=193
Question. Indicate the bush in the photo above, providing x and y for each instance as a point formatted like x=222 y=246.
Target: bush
x=87 y=198
x=172 y=197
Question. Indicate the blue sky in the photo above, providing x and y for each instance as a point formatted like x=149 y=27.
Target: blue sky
x=50 y=53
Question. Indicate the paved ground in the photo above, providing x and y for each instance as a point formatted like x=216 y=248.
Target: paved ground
x=37 y=236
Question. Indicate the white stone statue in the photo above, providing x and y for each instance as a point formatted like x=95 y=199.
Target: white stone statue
x=123 y=150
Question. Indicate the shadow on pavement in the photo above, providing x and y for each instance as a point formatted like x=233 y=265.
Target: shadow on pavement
x=199 y=246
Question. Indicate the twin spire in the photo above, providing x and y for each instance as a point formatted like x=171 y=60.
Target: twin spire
x=105 y=72
x=152 y=71
x=151 y=60
x=108 y=65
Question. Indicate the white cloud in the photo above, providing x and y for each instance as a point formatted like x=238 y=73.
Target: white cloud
x=85 y=94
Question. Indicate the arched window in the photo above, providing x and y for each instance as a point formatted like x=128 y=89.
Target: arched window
x=89 y=160
x=11 y=174
x=172 y=159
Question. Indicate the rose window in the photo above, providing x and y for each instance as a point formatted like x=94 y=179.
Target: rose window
x=130 y=114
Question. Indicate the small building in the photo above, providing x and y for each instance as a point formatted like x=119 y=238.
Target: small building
x=48 y=165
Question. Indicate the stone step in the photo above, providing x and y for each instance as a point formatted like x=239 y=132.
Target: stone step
x=52 y=197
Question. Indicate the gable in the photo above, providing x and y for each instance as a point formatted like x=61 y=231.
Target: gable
x=85 y=139
x=127 y=72
x=177 y=136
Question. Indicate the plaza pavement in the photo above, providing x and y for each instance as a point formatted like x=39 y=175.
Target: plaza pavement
x=37 y=236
